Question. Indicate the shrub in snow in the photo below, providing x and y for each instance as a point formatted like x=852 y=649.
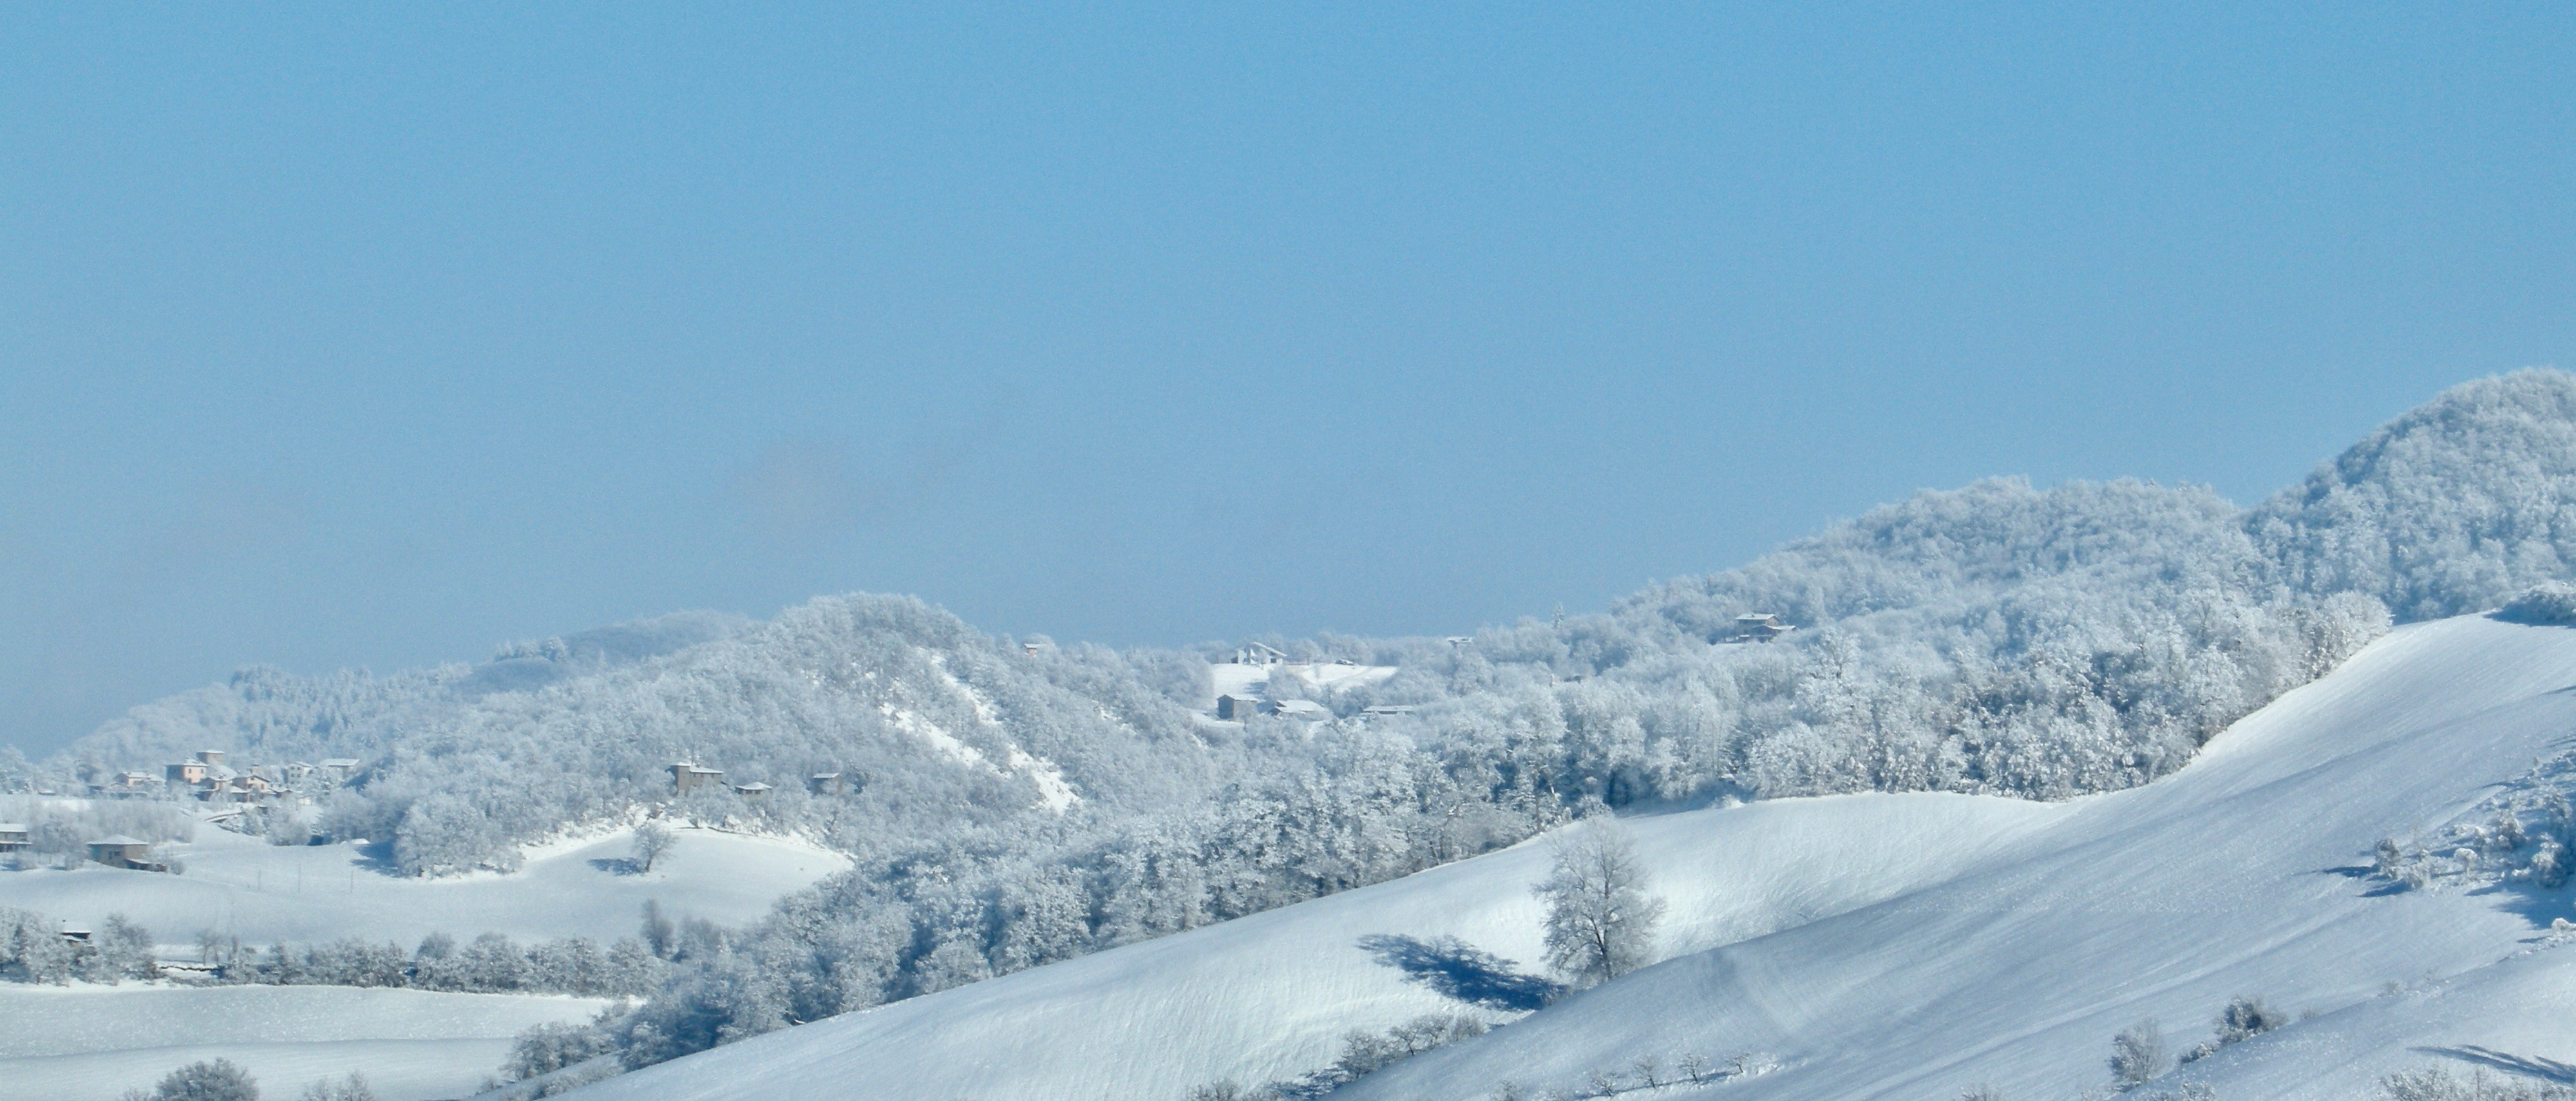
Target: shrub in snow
x=2138 y=1054
x=2547 y=602
x=2433 y=1083
x=2243 y=1019
x=352 y=1088
x=1228 y=1091
x=1981 y=1092
x=1365 y=1052
x=1600 y=921
x=218 y=1080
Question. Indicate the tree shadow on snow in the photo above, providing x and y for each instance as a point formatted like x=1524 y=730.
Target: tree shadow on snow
x=1459 y=970
x=377 y=857
x=618 y=865
x=2532 y=1065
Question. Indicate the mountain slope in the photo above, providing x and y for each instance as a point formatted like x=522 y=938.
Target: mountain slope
x=1876 y=946
x=2236 y=876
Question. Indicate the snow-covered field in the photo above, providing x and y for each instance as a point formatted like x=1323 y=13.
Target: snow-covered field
x=1873 y=946
x=242 y=886
x=92 y=1043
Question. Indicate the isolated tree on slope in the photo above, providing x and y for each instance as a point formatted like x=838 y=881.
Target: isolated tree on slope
x=652 y=841
x=1600 y=921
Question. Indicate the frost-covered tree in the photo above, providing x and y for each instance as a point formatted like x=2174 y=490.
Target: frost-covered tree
x=1600 y=920
x=552 y=1046
x=33 y=949
x=2138 y=1054
x=120 y=949
x=653 y=840
x=216 y=1080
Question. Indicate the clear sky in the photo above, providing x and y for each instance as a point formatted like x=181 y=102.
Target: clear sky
x=379 y=334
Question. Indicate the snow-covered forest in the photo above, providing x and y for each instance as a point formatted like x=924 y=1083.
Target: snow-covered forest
x=1012 y=802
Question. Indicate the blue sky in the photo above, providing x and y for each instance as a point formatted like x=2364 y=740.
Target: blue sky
x=338 y=336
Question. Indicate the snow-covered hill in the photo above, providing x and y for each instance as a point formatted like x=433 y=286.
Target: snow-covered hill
x=244 y=887
x=1873 y=946
x=91 y=1043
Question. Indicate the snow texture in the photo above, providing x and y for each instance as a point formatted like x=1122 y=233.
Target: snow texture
x=92 y=1043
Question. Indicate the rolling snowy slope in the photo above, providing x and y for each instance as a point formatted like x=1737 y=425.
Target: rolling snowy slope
x=2235 y=876
x=93 y=1043
x=1875 y=946
x=1269 y=996
x=245 y=887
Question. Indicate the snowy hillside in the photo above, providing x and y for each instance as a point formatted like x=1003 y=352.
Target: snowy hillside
x=94 y=1043
x=1873 y=946
x=244 y=887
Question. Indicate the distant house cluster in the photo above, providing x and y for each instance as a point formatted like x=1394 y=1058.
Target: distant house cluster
x=688 y=776
x=207 y=778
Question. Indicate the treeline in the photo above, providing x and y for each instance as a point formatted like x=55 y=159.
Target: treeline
x=34 y=948
x=489 y=964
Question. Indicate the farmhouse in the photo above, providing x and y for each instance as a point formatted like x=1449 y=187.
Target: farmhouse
x=752 y=790
x=13 y=837
x=687 y=776
x=1254 y=653
x=1759 y=627
x=1236 y=708
x=1304 y=710
x=120 y=851
x=824 y=783
x=340 y=768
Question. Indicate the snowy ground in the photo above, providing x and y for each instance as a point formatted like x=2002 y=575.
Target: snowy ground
x=1873 y=946
x=245 y=887
x=90 y=1043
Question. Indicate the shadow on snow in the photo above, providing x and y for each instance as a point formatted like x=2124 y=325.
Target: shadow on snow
x=1459 y=970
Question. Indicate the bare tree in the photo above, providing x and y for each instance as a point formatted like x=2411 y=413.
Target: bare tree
x=1695 y=1066
x=352 y=1088
x=652 y=841
x=1649 y=1070
x=1600 y=922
